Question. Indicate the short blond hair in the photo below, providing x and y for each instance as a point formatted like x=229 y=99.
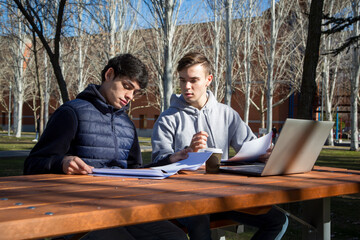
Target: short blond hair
x=193 y=58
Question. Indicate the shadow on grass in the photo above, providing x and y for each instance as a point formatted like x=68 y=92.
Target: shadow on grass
x=11 y=166
x=340 y=159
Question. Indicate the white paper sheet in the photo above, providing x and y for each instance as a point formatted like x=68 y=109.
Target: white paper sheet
x=193 y=162
x=131 y=173
x=253 y=149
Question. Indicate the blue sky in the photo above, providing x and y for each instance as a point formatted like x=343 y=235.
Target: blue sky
x=193 y=11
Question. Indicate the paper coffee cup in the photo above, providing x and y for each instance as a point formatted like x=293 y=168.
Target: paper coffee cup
x=212 y=165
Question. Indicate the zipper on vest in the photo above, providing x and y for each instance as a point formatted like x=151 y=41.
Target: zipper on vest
x=114 y=135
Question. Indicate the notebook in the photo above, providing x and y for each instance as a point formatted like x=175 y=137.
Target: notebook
x=296 y=150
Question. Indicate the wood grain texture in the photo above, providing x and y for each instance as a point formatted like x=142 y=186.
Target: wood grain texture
x=85 y=203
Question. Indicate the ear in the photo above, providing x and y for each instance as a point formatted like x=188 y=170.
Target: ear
x=109 y=74
x=209 y=79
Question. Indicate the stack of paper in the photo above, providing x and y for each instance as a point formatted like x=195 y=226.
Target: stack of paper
x=193 y=162
x=132 y=173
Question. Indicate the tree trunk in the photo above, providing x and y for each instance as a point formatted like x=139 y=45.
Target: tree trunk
x=216 y=48
x=308 y=85
x=354 y=146
x=247 y=63
x=39 y=85
x=81 y=85
x=270 y=78
x=262 y=112
x=228 y=90
x=168 y=34
x=168 y=85
x=112 y=12
x=18 y=115
x=46 y=92
x=9 y=112
x=19 y=82
x=327 y=93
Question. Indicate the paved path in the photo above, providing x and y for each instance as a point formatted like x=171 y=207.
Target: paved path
x=25 y=153
x=146 y=148
x=22 y=153
x=345 y=145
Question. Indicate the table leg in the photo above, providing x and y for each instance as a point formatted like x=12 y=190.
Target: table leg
x=317 y=213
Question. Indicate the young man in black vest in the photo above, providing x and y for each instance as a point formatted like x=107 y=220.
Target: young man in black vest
x=94 y=130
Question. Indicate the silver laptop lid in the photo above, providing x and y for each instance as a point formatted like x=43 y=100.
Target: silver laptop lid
x=298 y=146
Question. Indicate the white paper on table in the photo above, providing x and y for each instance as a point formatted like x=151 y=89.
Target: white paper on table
x=193 y=162
x=253 y=149
x=131 y=173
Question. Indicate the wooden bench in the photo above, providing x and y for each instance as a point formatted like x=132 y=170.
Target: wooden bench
x=213 y=224
x=218 y=227
x=225 y=224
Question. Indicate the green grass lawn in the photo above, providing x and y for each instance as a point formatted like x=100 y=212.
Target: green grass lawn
x=10 y=143
x=339 y=158
x=11 y=166
x=345 y=210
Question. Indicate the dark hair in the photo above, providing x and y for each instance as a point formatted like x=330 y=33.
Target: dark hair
x=126 y=65
x=193 y=58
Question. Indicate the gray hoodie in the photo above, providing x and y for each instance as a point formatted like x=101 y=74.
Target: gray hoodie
x=176 y=126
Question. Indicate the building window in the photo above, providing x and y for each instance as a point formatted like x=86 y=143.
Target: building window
x=3 y=116
x=143 y=123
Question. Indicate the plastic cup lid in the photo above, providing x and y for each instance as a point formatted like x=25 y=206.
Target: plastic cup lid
x=214 y=150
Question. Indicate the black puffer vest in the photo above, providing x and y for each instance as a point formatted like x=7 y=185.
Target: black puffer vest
x=104 y=134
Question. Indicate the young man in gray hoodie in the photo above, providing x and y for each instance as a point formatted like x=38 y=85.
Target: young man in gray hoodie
x=196 y=120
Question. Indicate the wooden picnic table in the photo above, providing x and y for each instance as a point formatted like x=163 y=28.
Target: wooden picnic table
x=37 y=206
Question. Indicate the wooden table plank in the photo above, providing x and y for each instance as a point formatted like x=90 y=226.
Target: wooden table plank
x=159 y=188
x=84 y=203
x=49 y=197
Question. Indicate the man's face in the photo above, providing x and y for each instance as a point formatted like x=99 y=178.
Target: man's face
x=119 y=91
x=193 y=83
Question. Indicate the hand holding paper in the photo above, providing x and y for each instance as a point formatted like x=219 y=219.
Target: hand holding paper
x=252 y=150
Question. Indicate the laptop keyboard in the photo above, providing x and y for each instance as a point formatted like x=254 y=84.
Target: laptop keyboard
x=257 y=169
x=252 y=168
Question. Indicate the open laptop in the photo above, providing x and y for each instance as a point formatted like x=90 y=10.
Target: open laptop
x=296 y=150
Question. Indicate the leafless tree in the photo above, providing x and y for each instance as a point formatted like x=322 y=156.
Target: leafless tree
x=5 y=79
x=18 y=54
x=244 y=42
x=330 y=64
x=215 y=30
x=166 y=42
x=39 y=85
x=279 y=15
x=116 y=21
x=31 y=11
x=274 y=63
x=165 y=15
x=33 y=91
x=248 y=49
